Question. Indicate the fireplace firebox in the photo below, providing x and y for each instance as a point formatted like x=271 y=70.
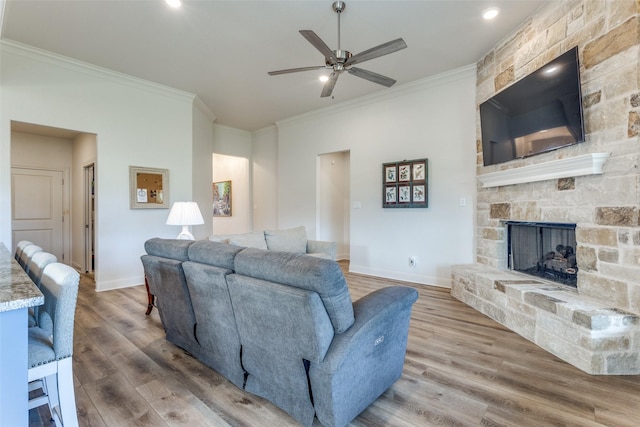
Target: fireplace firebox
x=545 y=250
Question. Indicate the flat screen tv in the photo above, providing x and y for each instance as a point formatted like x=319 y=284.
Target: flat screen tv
x=539 y=113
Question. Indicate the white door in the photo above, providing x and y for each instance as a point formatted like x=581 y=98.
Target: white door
x=37 y=212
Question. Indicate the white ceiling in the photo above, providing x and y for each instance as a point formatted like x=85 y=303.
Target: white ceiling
x=222 y=50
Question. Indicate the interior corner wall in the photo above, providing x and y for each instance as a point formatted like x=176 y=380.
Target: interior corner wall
x=265 y=178
x=433 y=118
x=202 y=170
x=137 y=123
x=84 y=153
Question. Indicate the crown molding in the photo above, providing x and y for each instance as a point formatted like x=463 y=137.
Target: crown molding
x=401 y=90
x=44 y=56
x=265 y=130
x=586 y=164
x=200 y=105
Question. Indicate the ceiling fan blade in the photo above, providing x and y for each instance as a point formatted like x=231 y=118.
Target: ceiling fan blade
x=329 y=85
x=296 y=70
x=319 y=44
x=372 y=77
x=375 y=52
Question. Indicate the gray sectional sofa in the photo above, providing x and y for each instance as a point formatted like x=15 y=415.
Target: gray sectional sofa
x=281 y=325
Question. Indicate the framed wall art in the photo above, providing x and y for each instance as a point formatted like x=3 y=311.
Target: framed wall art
x=405 y=184
x=148 y=188
x=222 y=198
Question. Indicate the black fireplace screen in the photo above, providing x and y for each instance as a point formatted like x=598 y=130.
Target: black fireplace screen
x=546 y=250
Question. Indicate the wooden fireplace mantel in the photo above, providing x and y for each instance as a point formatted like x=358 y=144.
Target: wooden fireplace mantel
x=586 y=164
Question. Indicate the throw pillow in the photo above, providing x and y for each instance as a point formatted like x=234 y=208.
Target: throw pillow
x=290 y=240
x=255 y=239
x=219 y=238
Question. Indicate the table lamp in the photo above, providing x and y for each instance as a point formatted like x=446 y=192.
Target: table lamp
x=185 y=214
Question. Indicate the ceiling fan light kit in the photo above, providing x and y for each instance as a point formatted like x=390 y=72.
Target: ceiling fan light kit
x=339 y=61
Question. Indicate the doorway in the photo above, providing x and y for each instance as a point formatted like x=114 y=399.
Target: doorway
x=234 y=170
x=48 y=150
x=89 y=217
x=333 y=210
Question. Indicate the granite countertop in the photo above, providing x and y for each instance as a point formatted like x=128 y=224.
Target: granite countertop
x=17 y=290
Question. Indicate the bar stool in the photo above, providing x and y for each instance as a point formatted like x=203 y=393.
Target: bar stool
x=27 y=253
x=35 y=268
x=51 y=344
x=20 y=247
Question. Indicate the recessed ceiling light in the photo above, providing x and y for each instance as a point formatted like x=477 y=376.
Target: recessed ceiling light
x=490 y=13
x=551 y=70
x=174 y=3
x=324 y=78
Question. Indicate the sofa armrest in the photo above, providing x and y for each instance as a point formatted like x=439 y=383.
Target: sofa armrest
x=365 y=360
x=322 y=247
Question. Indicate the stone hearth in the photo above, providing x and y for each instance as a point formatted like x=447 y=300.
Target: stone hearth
x=594 y=337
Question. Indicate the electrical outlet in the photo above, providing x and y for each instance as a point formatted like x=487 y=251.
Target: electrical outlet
x=413 y=260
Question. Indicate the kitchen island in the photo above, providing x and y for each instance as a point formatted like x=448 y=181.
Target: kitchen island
x=17 y=294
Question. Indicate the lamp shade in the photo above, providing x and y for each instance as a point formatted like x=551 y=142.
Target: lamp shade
x=185 y=214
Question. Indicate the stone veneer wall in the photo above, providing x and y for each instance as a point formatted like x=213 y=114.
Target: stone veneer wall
x=605 y=207
x=597 y=328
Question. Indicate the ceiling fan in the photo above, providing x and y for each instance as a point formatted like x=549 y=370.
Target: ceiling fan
x=340 y=60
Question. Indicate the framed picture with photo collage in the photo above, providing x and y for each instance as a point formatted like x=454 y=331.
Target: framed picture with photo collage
x=405 y=184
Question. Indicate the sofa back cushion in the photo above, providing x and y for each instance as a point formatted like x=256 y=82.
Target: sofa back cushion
x=279 y=327
x=213 y=253
x=168 y=248
x=216 y=329
x=305 y=272
x=290 y=240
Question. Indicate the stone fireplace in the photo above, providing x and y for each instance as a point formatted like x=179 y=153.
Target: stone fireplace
x=596 y=185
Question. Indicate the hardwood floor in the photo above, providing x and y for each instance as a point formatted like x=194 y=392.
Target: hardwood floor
x=462 y=369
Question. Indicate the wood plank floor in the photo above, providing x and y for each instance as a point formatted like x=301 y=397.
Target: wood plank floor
x=462 y=369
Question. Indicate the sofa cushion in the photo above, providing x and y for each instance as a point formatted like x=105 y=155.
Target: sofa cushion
x=168 y=248
x=254 y=239
x=305 y=272
x=289 y=240
x=213 y=253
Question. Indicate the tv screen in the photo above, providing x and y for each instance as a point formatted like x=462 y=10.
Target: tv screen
x=539 y=113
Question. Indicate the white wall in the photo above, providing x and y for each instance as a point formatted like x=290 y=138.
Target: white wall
x=265 y=178
x=143 y=124
x=137 y=123
x=433 y=118
x=201 y=173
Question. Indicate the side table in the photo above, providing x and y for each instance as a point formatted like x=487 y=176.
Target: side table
x=150 y=297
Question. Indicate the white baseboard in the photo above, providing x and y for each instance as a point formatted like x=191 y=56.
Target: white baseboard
x=443 y=282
